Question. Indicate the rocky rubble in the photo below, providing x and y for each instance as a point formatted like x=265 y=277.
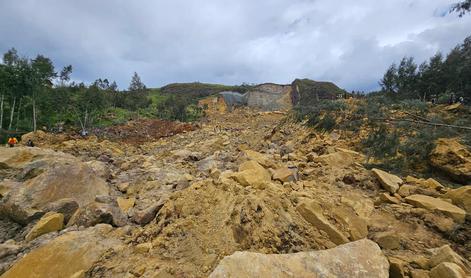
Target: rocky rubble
x=358 y=259
x=243 y=189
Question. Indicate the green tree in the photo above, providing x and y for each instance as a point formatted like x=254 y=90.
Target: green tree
x=43 y=75
x=389 y=81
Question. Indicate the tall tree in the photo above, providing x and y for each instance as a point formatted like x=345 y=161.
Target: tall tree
x=64 y=75
x=136 y=84
x=43 y=74
x=389 y=82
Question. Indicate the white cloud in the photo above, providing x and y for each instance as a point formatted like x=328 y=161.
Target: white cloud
x=350 y=43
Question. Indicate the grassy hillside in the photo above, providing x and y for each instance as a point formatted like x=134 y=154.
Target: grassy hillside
x=197 y=89
x=311 y=91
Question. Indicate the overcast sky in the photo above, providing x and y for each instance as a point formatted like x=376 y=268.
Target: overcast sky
x=348 y=42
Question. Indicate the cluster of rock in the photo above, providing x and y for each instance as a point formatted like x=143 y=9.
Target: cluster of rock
x=241 y=197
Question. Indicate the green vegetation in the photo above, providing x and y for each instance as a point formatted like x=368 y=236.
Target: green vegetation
x=311 y=92
x=439 y=78
x=397 y=127
x=33 y=95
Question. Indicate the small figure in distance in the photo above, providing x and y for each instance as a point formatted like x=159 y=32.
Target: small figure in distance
x=29 y=143
x=12 y=141
x=461 y=100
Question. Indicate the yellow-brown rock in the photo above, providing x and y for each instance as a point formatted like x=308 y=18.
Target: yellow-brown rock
x=65 y=255
x=461 y=197
x=50 y=222
x=312 y=213
x=436 y=204
x=252 y=174
x=389 y=182
x=452 y=158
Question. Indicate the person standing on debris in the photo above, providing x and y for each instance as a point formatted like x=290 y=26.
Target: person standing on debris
x=12 y=141
x=461 y=100
x=30 y=143
x=452 y=99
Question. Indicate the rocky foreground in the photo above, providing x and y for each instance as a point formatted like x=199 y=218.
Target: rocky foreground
x=245 y=195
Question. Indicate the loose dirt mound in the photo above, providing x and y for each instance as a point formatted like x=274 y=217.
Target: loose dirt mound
x=140 y=131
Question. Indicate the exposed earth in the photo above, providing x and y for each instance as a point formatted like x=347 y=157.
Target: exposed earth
x=211 y=199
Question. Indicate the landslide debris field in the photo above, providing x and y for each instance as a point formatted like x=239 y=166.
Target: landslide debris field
x=185 y=204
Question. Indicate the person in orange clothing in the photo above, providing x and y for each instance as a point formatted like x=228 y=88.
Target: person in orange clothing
x=12 y=141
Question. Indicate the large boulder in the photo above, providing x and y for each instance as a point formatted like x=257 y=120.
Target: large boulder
x=68 y=255
x=388 y=181
x=252 y=174
x=340 y=159
x=453 y=159
x=449 y=270
x=361 y=258
x=312 y=213
x=439 y=205
x=47 y=178
x=461 y=197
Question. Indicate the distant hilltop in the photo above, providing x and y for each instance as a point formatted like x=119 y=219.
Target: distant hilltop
x=266 y=96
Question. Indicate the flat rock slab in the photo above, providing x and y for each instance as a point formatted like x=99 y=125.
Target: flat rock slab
x=389 y=182
x=435 y=204
x=70 y=254
x=361 y=258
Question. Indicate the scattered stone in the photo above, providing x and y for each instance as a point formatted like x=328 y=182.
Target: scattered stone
x=312 y=213
x=125 y=204
x=260 y=158
x=252 y=174
x=143 y=247
x=453 y=159
x=389 y=182
x=388 y=199
x=356 y=226
x=123 y=187
x=461 y=197
x=448 y=270
x=66 y=206
x=337 y=159
x=95 y=213
x=101 y=169
x=446 y=254
x=357 y=259
x=388 y=240
x=144 y=217
x=419 y=273
x=396 y=268
x=8 y=249
x=50 y=222
x=435 y=204
x=285 y=175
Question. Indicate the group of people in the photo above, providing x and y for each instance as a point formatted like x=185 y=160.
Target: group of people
x=451 y=100
x=12 y=141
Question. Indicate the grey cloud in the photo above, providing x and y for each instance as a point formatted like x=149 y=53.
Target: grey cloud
x=350 y=43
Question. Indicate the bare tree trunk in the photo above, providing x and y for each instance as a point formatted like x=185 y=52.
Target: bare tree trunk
x=12 y=113
x=1 y=112
x=34 y=115
x=18 y=114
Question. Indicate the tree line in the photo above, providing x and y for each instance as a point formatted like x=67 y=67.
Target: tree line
x=34 y=95
x=438 y=78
